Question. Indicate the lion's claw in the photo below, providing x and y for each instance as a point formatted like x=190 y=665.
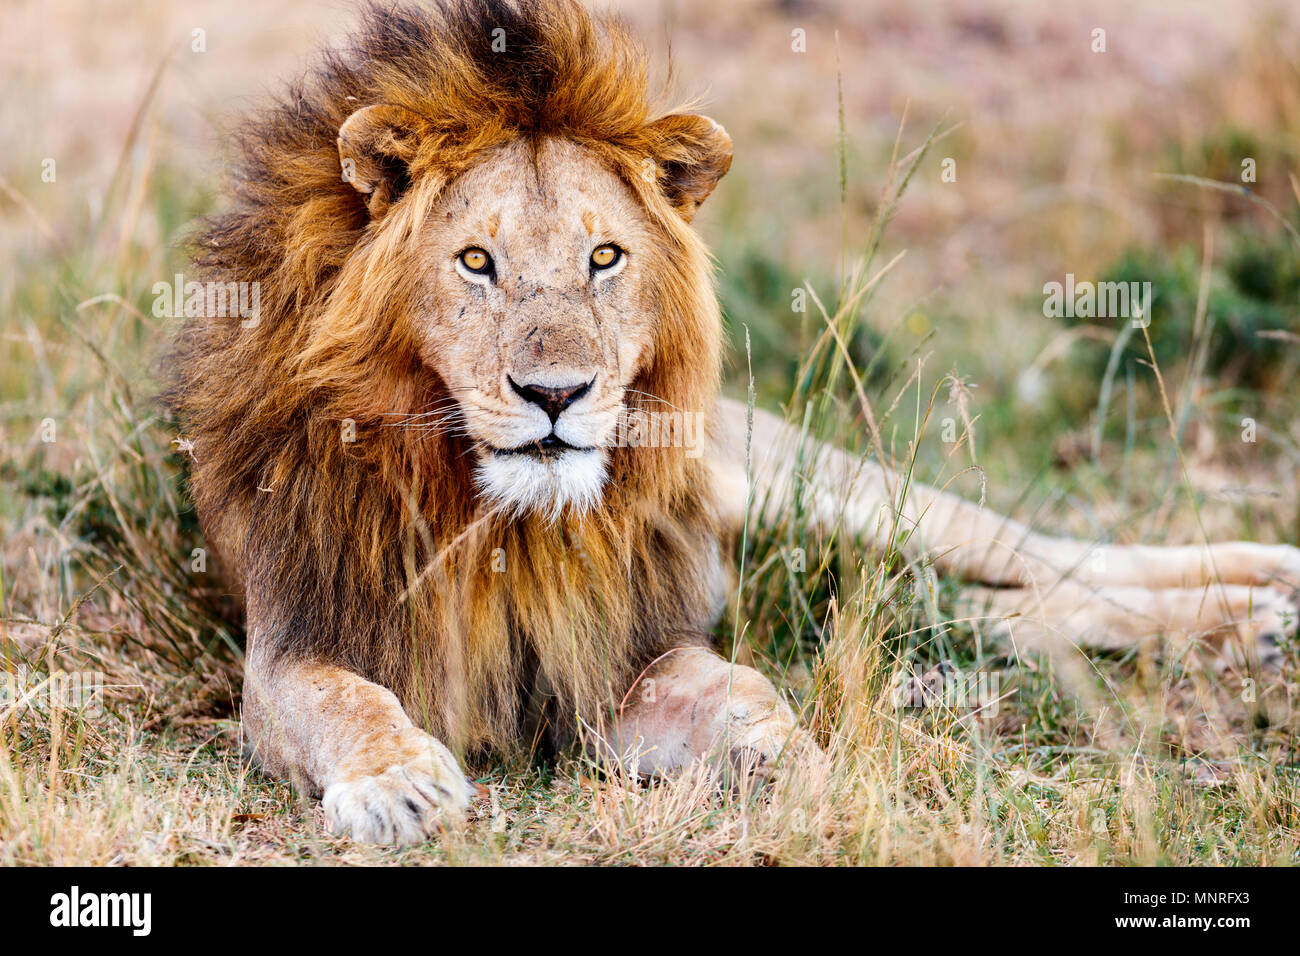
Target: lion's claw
x=406 y=803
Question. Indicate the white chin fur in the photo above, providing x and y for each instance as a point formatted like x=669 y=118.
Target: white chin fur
x=522 y=483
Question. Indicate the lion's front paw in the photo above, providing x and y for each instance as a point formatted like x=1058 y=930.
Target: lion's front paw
x=404 y=803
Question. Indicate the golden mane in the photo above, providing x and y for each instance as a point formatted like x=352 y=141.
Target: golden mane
x=375 y=553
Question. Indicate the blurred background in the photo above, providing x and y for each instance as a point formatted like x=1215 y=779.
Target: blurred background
x=1055 y=150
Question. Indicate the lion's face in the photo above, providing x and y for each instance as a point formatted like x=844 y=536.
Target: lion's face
x=534 y=281
x=535 y=315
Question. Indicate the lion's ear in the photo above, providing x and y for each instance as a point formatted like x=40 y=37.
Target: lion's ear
x=376 y=146
x=694 y=152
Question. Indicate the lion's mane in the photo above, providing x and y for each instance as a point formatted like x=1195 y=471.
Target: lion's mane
x=374 y=553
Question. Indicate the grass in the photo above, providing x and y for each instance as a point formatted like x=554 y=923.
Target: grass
x=1149 y=756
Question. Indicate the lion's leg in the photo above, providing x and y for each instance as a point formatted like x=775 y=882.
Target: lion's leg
x=335 y=734
x=978 y=544
x=964 y=540
x=692 y=704
x=1115 y=617
x=1176 y=566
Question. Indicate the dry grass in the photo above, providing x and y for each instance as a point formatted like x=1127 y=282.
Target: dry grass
x=1147 y=757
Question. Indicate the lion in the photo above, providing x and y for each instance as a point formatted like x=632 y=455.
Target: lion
x=471 y=232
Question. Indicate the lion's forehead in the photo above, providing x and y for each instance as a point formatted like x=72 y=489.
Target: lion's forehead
x=539 y=201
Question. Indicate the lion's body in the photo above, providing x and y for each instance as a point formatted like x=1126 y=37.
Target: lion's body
x=416 y=557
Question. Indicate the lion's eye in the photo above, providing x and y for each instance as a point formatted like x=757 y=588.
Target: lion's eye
x=605 y=256
x=476 y=261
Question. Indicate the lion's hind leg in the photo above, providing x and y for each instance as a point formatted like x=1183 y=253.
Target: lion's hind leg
x=1067 y=612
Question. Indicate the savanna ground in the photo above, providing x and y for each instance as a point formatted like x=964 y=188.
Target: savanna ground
x=1157 y=755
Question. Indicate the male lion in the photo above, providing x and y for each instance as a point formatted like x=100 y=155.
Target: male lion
x=471 y=234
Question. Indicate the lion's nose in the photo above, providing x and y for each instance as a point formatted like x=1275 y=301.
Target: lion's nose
x=552 y=399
